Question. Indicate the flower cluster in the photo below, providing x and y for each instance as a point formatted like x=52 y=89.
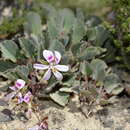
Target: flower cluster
x=19 y=84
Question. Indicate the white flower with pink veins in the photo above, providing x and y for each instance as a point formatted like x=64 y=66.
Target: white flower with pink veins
x=53 y=58
x=19 y=84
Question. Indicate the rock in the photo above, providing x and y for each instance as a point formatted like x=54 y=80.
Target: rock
x=108 y=123
x=119 y=128
x=3 y=103
x=4 y=117
x=21 y=116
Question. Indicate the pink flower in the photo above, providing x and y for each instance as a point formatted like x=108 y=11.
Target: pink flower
x=53 y=58
x=25 y=99
x=19 y=84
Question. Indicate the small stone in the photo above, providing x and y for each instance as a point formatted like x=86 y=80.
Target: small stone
x=21 y=116
x=128 y=109
x=3 y=103
x=7 y=112
x=4 y=117
x=103 y=112
x=119 y=128
x=108 y=123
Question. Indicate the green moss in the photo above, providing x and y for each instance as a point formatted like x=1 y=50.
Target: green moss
x=122 y=29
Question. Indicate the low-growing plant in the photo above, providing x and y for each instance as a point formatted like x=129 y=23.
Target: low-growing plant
x=66 y=38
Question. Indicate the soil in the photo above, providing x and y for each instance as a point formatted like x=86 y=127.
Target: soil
x=112 y=117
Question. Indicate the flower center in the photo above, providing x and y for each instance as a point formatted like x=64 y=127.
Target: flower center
x=52 y=67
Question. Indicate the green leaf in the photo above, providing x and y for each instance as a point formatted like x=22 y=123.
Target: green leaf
x=27 y=47
x=70 y=81
x=52 y=29
x=22 y=72
x=98 y=67
x=117 y=90
x=11 y=75
x=75 y=48
x=79 y=14
x=91 y=34
x=85 y=68
x=93 y=21
x=91 y=52
x=68 y=19
x=9 y=50
x=111 y=82
x=61 y=98
x=6 y=65
x=49 y=10
x=98 y=35
x=67 y=90
x=33 y=24
x=57 y=45
x=78 y=31
x=101 y=35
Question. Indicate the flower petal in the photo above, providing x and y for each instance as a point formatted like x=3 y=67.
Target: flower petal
x=13 y=88
x=36 y=127
x=9 y=96
x=47 y=75
x=40 y=66
x=57 y=57
x=20 y=83
x=20 y=98
x=58 y=75
x=48 y=55
x=27 y=97
x=63 y=68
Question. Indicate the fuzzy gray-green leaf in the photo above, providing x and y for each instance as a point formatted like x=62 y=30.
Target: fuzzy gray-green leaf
x=91 y=52
x=61 y=98
x=6 y=65
x=22 y=72
x=33 y=24
x=52 y=29
x=27 y=47
x=57 y=45
x=99 y=69
x=68 y=19
x=78 y=31
x=85 y=68
x=9 y=50
x=111 y=82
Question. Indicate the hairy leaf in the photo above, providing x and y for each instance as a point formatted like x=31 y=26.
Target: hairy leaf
x=78 y=31
x=28 y=47
x=111 y=82
x=9 y=50
x=85 y=68
x=98 y=66
x=57 y=45
x=61 y=98
x=6 y=65
x=33 y=24
x=68 y=19
x=91 y=52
